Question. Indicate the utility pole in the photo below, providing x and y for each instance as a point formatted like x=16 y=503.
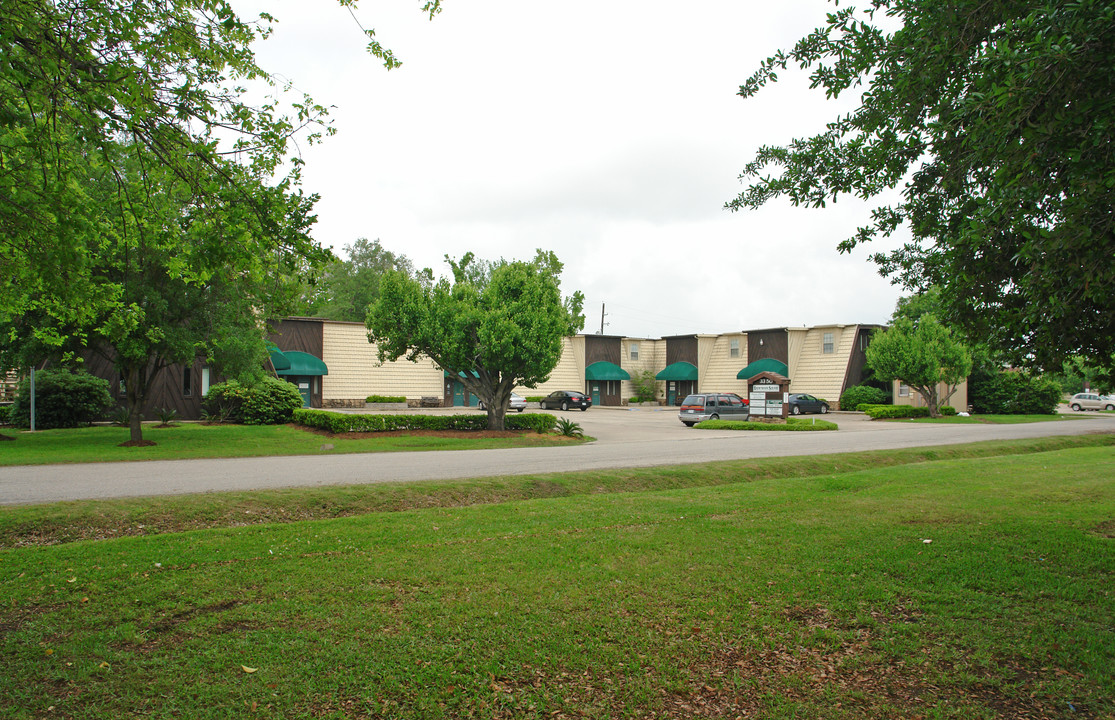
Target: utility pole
x=601 y=319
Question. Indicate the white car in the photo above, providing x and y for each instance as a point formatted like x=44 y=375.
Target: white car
x=518 y=403
x=1091 y=401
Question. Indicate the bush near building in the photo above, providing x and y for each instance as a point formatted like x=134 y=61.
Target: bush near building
x=862 y=394
x=1012 y=393
x=63 y=399
x=268 y=402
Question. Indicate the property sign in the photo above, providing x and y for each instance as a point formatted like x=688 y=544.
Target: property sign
x=767 y=395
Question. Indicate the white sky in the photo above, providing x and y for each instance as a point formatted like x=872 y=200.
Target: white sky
x=608 y=132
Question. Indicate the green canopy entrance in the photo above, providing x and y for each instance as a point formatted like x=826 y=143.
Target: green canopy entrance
x=765 y=365
x=678 y=371
x=606 y=371
x=299 y=363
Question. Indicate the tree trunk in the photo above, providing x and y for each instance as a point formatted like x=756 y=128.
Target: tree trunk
x=135 y=397
x=496 y=416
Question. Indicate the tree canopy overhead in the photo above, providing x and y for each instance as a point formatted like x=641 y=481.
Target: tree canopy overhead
x=492 y=329
x=997 y=121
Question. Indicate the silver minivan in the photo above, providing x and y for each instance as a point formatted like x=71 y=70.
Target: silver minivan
x=712 y=406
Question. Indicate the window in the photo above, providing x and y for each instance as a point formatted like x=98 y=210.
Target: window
x=123 y=389
x=204 y=381
x=634 y=349
x=903 y=390
x=187 y=382
x=827 y=346
x=734 y=350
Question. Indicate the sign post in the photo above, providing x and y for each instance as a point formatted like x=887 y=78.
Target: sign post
x=767 y=393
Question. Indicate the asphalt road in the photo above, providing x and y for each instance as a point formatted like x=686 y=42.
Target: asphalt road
x=624 y=438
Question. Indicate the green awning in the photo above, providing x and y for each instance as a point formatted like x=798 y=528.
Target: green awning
x=765 y=365
x=278 y=359
x=678 y=371
x=300 y=363
x=461 y=374
x=606 y=371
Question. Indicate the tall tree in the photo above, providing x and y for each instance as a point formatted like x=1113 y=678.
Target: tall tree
x=347 y=287
x=924 y=355
x=493 y=330
x=997 y=120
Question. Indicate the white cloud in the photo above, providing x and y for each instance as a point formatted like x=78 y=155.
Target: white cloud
x=609 y=132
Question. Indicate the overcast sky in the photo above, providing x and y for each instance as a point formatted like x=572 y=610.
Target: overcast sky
x=608 y=132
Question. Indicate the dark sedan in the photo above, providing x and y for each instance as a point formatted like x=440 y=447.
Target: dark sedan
x=801 y=403
x=565 y=399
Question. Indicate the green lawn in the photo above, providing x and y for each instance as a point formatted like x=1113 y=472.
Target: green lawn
x=977 y=586
x=192 y=440
x=990 y=419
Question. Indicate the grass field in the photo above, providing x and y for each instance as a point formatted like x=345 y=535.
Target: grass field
x=975 y=586
x=192 y=440
x=989 y=419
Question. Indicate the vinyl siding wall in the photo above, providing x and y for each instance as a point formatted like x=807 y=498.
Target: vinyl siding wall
x=811 y=369
x=355 y=372
x=718 y=368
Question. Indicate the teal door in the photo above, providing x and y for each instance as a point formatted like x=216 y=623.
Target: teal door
x=671 y=393
x=458 y=395
x=305 y=391
x=596 y=394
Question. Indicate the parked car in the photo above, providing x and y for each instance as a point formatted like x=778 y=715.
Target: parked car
x=518 y=403
x=1091 y=401
x=801 y=403
x=565 y=399
x=712 y=406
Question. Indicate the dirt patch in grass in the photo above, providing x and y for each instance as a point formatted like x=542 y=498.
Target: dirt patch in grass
x=852 y=674
x=1105 y=529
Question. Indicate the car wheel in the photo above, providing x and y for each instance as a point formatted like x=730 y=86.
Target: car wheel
x=519 y=409
x=714 y=416
x=480 y=405
x=1076 y=407
x=795 y=410
x=584 y=407
x=1109 y=408
x=565 y=405
x=542 y=405
x=688 y=424
x=824 y=409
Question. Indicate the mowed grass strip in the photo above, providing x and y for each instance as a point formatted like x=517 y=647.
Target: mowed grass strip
x=192 y=440
x=980 y=419
x=973 y=587
x=100 y=519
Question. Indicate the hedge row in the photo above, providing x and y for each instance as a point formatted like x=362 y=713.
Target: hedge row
x=793 y=424
x=344 y=422
x=386 y=399
x=878 y=412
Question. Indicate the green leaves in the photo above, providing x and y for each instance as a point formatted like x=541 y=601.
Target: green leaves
x=997 y=121
x=498 y=326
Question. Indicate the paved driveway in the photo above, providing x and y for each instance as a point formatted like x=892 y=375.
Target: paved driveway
x=625 y=438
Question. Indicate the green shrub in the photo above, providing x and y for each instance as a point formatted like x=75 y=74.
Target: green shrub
x=269 y=402
x=345 y=423
x=5 y=414
x=568 y=428
x=792 y=424
x=63 y=399
x=858 y=395
x=1013 y=393
x=386 y=399
x=879 y=412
